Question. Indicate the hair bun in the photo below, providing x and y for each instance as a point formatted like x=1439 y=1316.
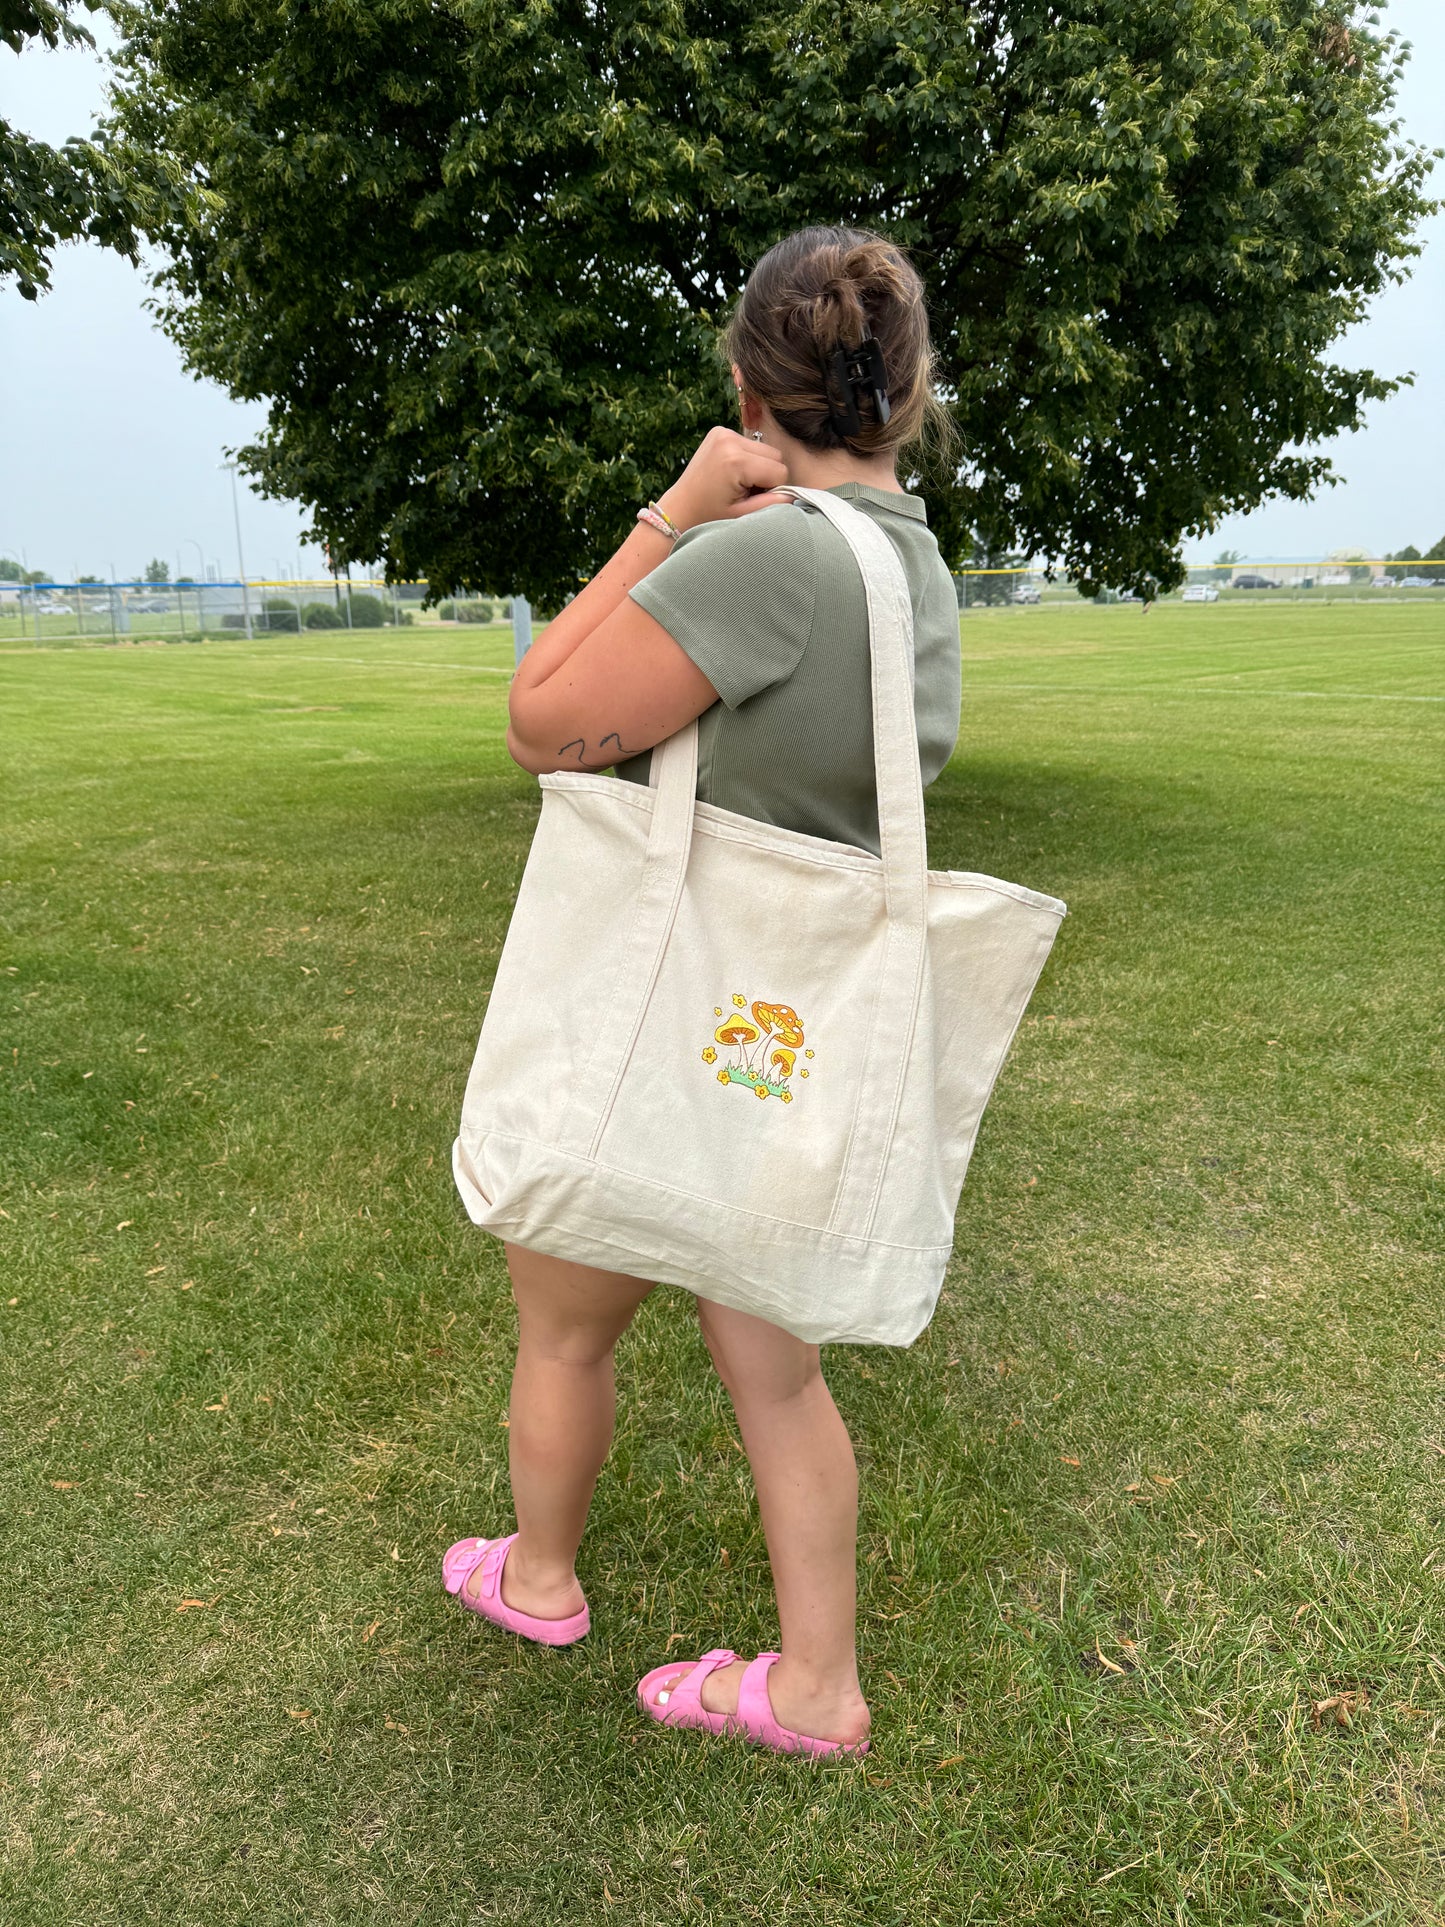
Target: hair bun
x=819 y=290
x=842 y=309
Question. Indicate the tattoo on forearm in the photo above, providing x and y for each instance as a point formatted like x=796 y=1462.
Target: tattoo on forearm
x=579 y=743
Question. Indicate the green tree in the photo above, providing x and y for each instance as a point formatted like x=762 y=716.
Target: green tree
x=10 y=571
x=49 y=194
x=1404 y=556
x=1437 y=554
x=474 y=255
x=1224 y=565
x=157 y=570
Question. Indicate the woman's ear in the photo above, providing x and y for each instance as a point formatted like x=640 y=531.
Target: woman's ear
x=750 y=411
x=742 y=398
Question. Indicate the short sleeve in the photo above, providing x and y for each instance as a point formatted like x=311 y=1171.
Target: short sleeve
x=738 y=597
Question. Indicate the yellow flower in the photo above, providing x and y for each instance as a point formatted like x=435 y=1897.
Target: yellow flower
x=739 y=1001
x=802 y=1073
x=762 y=1093
x=717 y=1010
x=807 y=1053
x=787 y=1096
x=709 y=1056
x=722 y=1077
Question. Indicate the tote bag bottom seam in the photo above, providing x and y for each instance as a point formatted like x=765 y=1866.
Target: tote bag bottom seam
x=541 y=1208
x=745 y=1220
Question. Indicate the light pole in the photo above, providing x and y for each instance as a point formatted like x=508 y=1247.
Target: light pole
x=521 y=626
x=236 y=512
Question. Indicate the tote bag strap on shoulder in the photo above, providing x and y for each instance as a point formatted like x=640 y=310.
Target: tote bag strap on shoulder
x=904 y=844
x=905 y=873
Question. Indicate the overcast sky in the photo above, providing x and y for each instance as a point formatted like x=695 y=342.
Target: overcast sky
x=113 y=452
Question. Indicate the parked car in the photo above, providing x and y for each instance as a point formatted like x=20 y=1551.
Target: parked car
x=1200 y=592
x=1422 y=582
x=1253 y=582
x=53 y=609
x=1025 y=594
x=152 y=606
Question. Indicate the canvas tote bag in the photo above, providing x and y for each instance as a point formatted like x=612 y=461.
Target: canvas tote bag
x=744 y=1060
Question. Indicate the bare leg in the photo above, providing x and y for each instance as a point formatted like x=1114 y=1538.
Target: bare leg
x=807 y=1486
x=561 y=1416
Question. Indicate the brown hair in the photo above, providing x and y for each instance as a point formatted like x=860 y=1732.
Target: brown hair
x=819 y=290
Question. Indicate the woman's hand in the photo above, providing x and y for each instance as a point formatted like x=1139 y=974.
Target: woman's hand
x=730 y=475
x=605 y=680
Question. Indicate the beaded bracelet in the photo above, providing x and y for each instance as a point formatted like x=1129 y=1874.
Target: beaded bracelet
x=659 y=519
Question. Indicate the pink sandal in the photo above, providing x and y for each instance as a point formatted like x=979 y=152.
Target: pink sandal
x=462 y=1560
x=672 y=1695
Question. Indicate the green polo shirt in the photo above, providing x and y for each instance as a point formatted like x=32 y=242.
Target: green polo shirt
x=770 y=607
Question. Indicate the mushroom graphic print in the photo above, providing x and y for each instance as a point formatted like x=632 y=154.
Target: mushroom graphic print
x=765 y=1047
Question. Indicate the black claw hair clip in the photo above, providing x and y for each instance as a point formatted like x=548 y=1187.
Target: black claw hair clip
x=848 y=372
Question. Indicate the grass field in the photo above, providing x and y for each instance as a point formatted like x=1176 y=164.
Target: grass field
x=1155 y=1500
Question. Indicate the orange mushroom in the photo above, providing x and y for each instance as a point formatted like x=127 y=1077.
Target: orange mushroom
x=783 y=1022
x=785 y=1058
x=738 y=1029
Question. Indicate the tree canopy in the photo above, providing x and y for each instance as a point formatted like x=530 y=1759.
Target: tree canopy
x=474 y=254
x=54 y=194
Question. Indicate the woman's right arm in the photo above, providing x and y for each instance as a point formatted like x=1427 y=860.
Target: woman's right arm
x=605 y=680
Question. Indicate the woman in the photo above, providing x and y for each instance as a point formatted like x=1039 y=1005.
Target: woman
x=733 y=604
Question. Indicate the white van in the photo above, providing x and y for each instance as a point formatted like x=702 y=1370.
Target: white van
x=1200 y=592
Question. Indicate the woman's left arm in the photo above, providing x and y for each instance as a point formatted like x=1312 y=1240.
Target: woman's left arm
x=605 y=680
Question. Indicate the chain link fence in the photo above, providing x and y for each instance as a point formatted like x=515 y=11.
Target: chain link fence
x=1257 y=583
x=99 y=612
x=102 y=612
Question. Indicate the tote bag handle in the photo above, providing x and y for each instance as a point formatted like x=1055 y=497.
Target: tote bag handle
x=903 y=843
